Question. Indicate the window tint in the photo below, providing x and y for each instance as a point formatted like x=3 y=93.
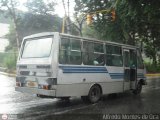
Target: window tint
x=126 y=59
x=75 y=44
x=139 y=60
x=98 y=48
x=70 y=51
x=93 y=54
x=113 y=55
x=88 y=50
x=65 y=43
x=133 y=58
x=110 y=49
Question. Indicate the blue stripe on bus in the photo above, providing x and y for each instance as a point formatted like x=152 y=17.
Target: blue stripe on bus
x=117 y=75
x=77 y=69
x=84 y=69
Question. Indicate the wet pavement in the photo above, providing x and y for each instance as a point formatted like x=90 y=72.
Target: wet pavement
x=18 y=105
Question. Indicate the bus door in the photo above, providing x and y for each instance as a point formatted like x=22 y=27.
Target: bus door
x=126 y=59
x=133 y=69
x=130 y=69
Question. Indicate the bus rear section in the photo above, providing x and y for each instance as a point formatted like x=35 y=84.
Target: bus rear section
x=36 y=73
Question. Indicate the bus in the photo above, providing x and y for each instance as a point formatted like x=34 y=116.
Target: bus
x=57 y=65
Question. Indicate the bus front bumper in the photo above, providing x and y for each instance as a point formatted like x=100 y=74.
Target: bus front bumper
x=36 y=91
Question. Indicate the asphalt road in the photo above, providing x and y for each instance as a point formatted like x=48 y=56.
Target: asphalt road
x=17 y=105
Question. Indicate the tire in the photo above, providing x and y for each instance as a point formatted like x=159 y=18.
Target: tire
x=138 y=89
x=94 y=94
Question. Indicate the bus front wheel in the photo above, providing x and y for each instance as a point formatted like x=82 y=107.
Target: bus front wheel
x=94 y=94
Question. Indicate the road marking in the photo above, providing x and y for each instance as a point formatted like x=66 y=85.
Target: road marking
x=82 y=107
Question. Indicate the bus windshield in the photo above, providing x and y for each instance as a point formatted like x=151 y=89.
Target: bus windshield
x=37 y=48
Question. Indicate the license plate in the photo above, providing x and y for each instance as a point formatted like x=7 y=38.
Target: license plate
x=31 y=84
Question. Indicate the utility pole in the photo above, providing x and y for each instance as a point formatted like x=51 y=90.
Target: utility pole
x=66 y=19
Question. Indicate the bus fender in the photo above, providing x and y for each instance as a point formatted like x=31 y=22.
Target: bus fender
x=97 y=85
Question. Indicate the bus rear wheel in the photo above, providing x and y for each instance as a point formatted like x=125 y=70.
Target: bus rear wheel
x=94 y=94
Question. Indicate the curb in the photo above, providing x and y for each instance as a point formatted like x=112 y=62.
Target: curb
x=153 y=75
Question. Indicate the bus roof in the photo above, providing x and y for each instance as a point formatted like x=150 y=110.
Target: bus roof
x=79 y=37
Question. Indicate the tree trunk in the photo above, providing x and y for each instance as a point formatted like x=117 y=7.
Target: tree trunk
x=17 y=35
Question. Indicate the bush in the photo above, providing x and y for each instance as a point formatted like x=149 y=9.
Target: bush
x=152 y=68
x=8 y=60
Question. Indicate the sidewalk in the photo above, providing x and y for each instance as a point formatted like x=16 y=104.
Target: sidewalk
x=8 y=74
x=153 y=75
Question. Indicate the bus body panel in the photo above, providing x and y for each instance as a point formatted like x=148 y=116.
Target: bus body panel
x=79 y=82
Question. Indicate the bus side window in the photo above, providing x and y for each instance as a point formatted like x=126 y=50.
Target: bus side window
x=113 y=56
x=88 y=50
x=139 y=60
x=75 y=56
x=99 y=54
x=63 y=51
x=133 y=59
x=70 y=51
x=93 y=54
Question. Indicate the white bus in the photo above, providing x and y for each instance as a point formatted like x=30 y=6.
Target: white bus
x=58 y=65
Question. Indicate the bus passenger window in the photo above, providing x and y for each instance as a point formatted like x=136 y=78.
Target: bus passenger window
x=88 y=50
x=93 y=54
x=70 y=51
x=75 y=44
x=63 y=51
x=126 y=59
x=133 y=59
x=114 y=56
x=98 y=48
x=75 y=56
x=99 y=54
x=139 y=60
x=65 y=43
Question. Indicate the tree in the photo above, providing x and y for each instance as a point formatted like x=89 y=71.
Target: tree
x=41 y=7
x=32 y=24
x=136 y=21
x=10 y=6
x=34 y=21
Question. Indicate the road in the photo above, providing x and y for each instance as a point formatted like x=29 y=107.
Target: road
x=24 y=106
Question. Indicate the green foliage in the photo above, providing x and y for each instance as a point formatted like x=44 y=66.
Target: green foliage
x=10 y=61
x=2 y=56
x=3 y=18
x=151 y=68
x=39 y=18
x=136 y=21
x=40 y=6
x=89 y=31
